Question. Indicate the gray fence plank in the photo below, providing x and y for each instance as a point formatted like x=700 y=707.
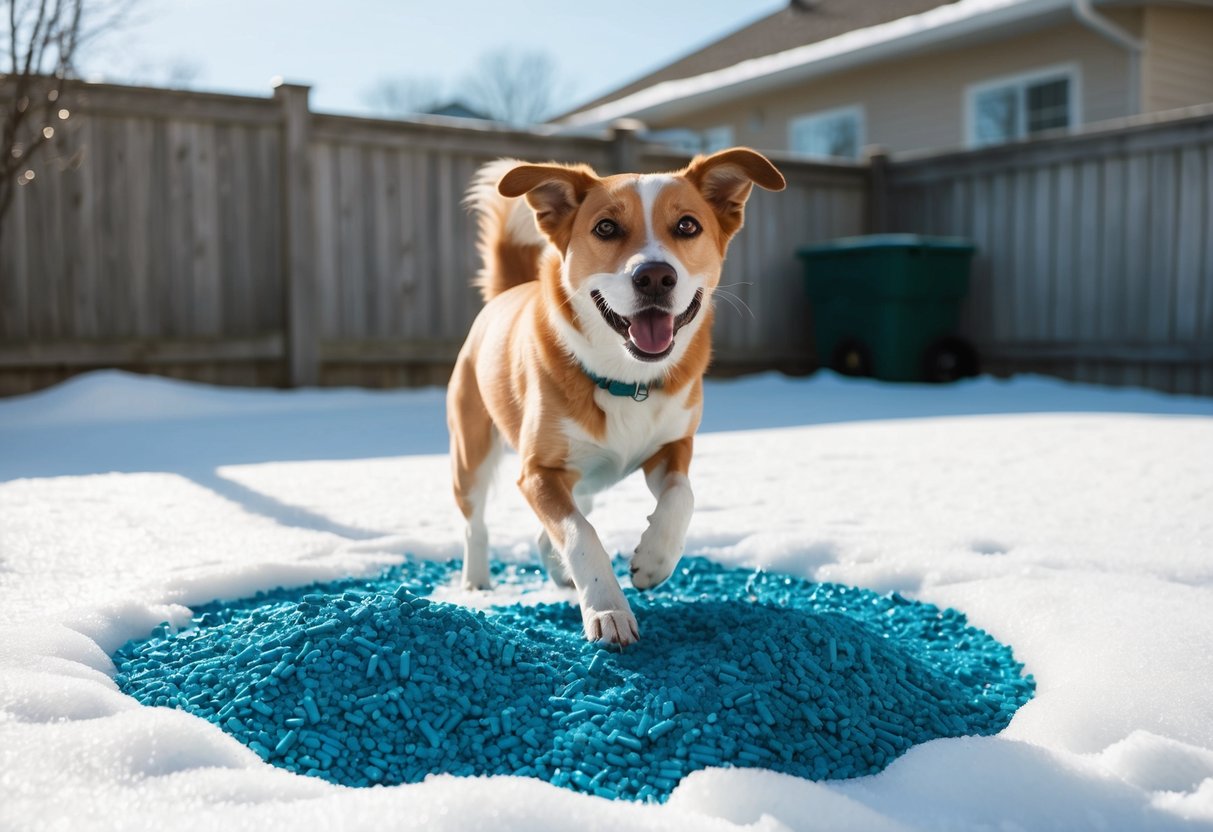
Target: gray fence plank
x=1193 y=206
x=1064 y=283
x=1088 y=266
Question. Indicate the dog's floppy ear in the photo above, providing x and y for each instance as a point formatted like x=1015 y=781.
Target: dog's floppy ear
x=554 y=192
x=726 y=178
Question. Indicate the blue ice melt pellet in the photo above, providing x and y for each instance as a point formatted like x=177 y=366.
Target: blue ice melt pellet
x=288 y=739
x=662 y=728
x=309 y=705
x=365 y=682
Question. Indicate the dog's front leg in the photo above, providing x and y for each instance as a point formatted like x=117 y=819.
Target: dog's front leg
x=662 y=542
x=605 y=613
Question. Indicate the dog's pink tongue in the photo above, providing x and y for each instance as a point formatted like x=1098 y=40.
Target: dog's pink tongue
x=652 y=331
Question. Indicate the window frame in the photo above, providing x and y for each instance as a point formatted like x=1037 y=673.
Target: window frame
x=861 y=129
x=1070 y=72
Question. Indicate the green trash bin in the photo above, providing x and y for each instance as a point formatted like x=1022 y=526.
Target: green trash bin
x=886 y=305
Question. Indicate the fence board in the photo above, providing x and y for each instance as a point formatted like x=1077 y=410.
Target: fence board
x=1088 y=266
x=1064 y=284
x=406 y=316
x=139 y=283
x=1161 y=282
x=325 y=213
x=351 y=245
x=383 y=184
x=1203 y=224
x=15 y=269
x=1112 y=307
x=269 y=273
x=178 y=276
x=979 y=312
x=1036 y=300
x=1193 y=206
x=206 y=288
x=233 y=223
x=1139 y=246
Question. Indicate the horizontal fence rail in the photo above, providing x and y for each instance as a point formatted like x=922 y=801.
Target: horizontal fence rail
x=251 y=241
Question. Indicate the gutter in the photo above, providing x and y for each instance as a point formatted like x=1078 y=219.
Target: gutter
x=1086 y=14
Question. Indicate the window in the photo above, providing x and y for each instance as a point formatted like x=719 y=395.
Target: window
x=694 y=141
x=828 y=134
x=717 y=138
x=1012 y=108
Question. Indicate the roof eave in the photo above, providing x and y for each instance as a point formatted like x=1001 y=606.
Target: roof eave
x=896 y=38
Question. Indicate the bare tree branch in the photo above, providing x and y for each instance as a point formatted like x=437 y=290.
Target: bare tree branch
x=515 y=87
x=43 y=40
x=404 y=96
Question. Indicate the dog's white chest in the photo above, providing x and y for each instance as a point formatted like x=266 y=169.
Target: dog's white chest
x=634 y=432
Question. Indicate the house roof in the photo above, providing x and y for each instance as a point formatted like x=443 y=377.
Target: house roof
x=455 y=109
x=912 y=27
x=796 y=24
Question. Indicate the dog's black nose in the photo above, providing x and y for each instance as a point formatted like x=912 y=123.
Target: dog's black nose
x=654 y=280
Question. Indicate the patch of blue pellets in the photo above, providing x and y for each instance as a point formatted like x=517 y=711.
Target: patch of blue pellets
x=365 y=682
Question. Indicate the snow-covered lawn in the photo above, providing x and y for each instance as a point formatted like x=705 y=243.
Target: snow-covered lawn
x=1073 y=523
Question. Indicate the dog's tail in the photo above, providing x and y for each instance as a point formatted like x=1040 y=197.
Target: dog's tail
x=509 y=242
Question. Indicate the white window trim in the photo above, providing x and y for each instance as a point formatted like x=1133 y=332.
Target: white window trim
x=857 y=110
x=1070 y=71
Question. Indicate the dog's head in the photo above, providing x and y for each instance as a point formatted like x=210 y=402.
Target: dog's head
x=641 y=254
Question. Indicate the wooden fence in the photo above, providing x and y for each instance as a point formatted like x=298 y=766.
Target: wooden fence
x=1095 y=251
x=250 y=241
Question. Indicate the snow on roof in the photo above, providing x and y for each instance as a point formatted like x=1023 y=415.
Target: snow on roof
x=849 y=49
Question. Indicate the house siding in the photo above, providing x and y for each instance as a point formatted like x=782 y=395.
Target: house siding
x=919 y=102
x=1177 y=68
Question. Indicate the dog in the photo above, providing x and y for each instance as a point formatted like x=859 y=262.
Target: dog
x=589 y=354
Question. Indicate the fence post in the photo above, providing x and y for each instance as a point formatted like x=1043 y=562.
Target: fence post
x=299 y=283
x=877 y=219
x=625 y=145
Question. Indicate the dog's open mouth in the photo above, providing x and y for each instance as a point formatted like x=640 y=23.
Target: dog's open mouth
x=649 y=334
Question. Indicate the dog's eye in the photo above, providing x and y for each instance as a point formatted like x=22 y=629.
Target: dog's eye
x=606 y=229
x=687 y=227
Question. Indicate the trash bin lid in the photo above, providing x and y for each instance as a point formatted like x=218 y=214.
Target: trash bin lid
x=875 y=241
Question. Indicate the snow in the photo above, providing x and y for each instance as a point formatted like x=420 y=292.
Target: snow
x=1072 y=522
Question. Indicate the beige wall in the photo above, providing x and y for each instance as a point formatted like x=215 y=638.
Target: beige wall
x=1177 y=68
x=919 y=102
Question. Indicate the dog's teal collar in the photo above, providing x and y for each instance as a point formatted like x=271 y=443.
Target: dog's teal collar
x=637 y=392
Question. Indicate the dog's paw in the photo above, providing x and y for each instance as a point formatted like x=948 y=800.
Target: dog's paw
x=655 y=558
x=476 y=575
x=611 y=627
x=608 y=618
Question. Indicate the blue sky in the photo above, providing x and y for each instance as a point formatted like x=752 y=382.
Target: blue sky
x=343 y=48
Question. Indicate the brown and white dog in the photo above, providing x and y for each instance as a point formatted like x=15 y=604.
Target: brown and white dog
x=589 y=354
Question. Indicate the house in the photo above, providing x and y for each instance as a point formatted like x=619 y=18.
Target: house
x=828 y=77
x=455 y=109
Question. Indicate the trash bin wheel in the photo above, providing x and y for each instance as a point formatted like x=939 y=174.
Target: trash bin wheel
x=948 y=359
x=851 y=357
